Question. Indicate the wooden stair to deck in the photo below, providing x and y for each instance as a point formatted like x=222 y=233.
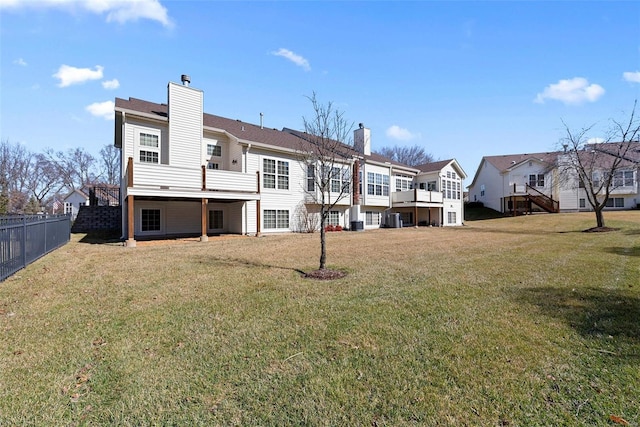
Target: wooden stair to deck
x=545 y=202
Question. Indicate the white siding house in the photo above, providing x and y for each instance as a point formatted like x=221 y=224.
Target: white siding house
x=518 y=183
x=185 y=172
x=73 y=201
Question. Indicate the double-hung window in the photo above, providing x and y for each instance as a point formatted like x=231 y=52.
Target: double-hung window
x=149 y=147
x=276 y=218
x=276 y=174
x=214 y=156
x=311 y=178
x=403 y=184
x=623 y=179
x=336 y=183
x=536 y=180
x=377 y=184
x=334 y=218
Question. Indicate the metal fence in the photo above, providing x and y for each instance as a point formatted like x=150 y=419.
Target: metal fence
x=25 y=238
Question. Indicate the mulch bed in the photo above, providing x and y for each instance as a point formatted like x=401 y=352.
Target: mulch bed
x=325 y=274
x=599 y=229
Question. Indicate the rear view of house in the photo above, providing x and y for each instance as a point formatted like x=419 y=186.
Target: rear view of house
x=186 y=172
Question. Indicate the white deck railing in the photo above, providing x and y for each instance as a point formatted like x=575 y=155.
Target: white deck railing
x=176 y=177
x=416 y=196
x=154 y=175
x=222 y=180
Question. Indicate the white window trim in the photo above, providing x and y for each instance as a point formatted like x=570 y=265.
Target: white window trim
x=140 y=147
x=139 y=221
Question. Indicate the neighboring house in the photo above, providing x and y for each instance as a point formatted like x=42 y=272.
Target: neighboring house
x=96 y=195
x=73 y=201
x=520 y=183
x=185 y=172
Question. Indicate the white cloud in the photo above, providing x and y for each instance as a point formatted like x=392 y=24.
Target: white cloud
x=571 y=91
x=402 y=134
x=632 y=76
x=120 y=11
x=20 y=61
x=111 y=84
x=69 y=75
x=293 y=57
x=102 y=109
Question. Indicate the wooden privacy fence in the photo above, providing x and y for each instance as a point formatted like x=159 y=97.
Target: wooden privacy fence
x=25 y=238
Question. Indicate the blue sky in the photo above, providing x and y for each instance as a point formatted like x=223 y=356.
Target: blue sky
x=461 y=79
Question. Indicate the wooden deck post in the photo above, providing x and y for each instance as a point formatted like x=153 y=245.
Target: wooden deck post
x=203 y=219
x=131 y=241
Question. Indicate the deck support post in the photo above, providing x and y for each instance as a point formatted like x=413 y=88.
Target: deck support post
x=203 y=220
x=131 y=241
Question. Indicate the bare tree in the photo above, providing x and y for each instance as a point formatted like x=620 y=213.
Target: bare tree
x=110 y=164
x=43 y=179
x=602 y=167
x=15 y=161
x=410 y=156
x=75 y=167
x=327 y=153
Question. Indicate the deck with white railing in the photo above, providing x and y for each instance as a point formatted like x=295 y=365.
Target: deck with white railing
x=416 y=196
x=171 y=180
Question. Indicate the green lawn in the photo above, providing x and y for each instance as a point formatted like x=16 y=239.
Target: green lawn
x=515 y=321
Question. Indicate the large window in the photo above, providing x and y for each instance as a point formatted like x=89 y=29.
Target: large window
x=372 y=218
x=276 y=174
x=451 y=217
x=377 y=184
x=623 y=179
x=150 y=219
x=149 y=147
x=334 y=218
x=616 y=202
x=215 y=220
x=276 y=218
x=403 y=183
x=536 y=180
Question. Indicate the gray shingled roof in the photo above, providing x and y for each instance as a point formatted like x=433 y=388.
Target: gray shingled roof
x=504 y=162
x=287 y=138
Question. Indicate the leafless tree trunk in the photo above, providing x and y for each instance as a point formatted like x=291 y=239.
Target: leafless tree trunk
x=600 y=167
x=326 y=150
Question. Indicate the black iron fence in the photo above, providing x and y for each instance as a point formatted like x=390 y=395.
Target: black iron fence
x=25 y=238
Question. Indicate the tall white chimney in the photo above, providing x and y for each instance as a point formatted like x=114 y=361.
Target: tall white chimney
x=362 y=140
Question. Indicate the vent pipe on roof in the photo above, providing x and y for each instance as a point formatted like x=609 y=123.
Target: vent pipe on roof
x=185 y=79
x=261 y=116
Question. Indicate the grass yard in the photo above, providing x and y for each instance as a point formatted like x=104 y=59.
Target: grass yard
x=504 y=322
